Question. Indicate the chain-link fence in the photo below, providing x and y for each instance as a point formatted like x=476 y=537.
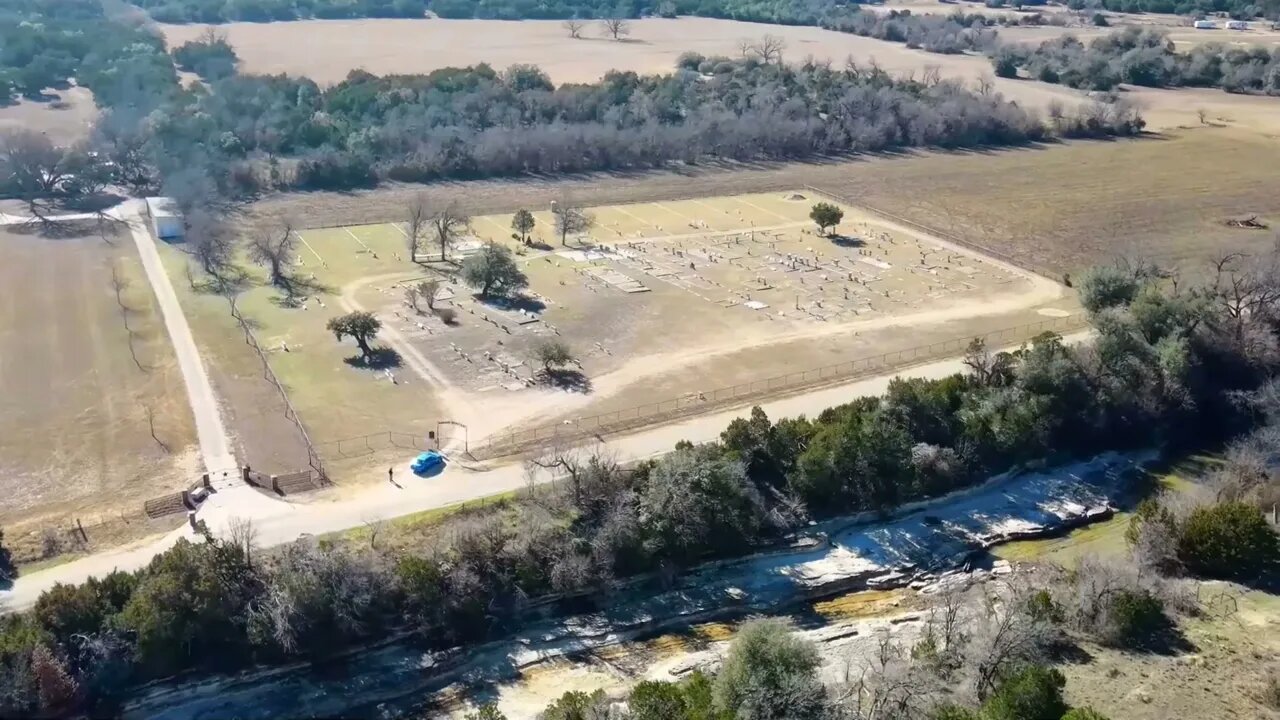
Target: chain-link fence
x=372 y=443
x=513 y=441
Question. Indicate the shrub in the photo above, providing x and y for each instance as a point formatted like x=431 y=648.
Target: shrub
x=1133 y=616
x=1230 y=540
x=1035 y=693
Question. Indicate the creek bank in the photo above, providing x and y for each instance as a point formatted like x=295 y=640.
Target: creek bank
x=921 y=541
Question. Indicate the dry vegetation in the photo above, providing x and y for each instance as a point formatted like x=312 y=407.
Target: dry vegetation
x=718 y=304
x=1065 y=206
x=86 y=379
x=66 y=119
x=384 y=47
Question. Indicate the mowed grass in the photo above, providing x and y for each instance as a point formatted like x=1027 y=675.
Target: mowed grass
x=364 y=266
x=334 y=399
x=78 y=410
x=1068 y=207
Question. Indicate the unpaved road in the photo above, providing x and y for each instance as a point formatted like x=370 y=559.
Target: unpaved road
x=215 y=445
x=278 y=521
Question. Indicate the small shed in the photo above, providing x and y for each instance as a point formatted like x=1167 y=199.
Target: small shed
x=166 y=220
x=1237 y=25
x=1205 y=25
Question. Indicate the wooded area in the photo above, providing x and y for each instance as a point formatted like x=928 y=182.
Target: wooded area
x=1142 y=57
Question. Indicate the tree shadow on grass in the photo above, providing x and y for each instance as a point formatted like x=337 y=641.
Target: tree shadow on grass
x=383 y=358
x=567 y=380
x=231 y=281
x=518 y=302
x=1165 y=639
x=847 y=241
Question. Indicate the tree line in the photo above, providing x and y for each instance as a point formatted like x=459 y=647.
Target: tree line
x=252 y=133
x=1168 y=368
x=1142 y=57
x=785 y=12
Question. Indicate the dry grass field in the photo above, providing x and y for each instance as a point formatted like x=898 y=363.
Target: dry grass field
x=75 y=436
x=661 y=300
x=65 y=120
x=1064 y=206
x=383 y=46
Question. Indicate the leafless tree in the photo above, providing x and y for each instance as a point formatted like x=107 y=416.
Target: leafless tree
x=886 y=683
x=986 y=85
x=593 y=472
x=448 y=225
x=570 y=219
x=273 y=248
x=212 y=243
x=411 y=297
x=1007 y=634
x=746 y=47
x=575 y=27
x=932 y=74
x=769 y=48
x=1246 y=289
x=375 y=527
x=1202 y=115
x=989 y=369
x=151 y=425
x=427 y=291
x=417 y=220
x=242 y=533
x=616 y=27
x=119 y=284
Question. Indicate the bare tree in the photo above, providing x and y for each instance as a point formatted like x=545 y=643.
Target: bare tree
x=273 y=248
x=427 y=291
x=570 y=219
x=411 y=297
x=1007 y=634
x=769 y=48
x=616 y=27
x=212 y=243
x=986 y=84
x=932 y=74
x=375 y=527
x=119 y=284
x=242 y=533
x=151 y=425
x=593 y=472
x=448 y=225
x=575 y=27
x=417 y=220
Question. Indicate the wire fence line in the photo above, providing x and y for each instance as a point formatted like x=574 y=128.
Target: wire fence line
x=363 y=445
x=250 y=339
x=516 y=441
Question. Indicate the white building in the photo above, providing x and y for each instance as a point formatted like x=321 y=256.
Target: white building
x=166 y=220
x=1237 y=25
x=1206 y=25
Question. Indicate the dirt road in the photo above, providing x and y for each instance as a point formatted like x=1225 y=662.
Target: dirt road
x=279 y=521
x=215 y=445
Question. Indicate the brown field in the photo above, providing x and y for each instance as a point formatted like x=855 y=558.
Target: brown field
x=65 y=120
x=1063 y=207
x=413 y=46
x=74 y=432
